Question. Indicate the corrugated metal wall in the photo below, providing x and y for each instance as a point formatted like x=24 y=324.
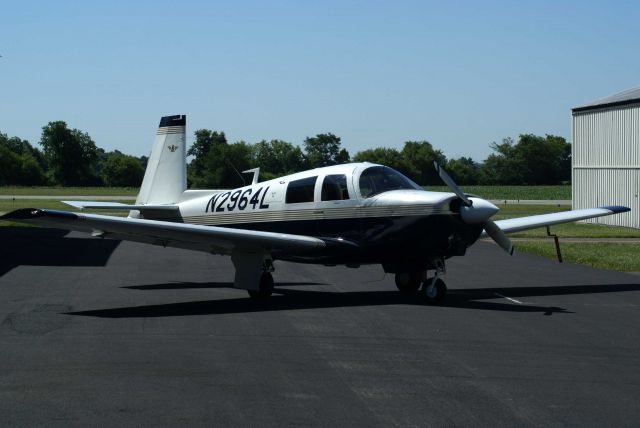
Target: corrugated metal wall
x=596 y=187
x=606 y=162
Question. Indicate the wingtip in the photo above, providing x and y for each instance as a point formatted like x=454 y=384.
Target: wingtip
x=30 y=213
x=616 y=209
x=21 y=214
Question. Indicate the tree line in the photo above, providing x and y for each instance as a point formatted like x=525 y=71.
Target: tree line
x=69 y=157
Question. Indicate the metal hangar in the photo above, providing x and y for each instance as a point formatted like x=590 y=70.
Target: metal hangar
x=606 y=156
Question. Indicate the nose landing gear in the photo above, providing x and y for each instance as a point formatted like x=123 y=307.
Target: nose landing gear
x=433 y=289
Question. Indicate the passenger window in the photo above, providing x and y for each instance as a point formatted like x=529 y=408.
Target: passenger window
x=334 y=188
x=299 y=191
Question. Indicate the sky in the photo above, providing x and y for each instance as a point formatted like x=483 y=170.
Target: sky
x=376 y=73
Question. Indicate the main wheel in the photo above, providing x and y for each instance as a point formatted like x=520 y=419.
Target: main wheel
x=435 y=293
x=265 y=289
x=409 y=282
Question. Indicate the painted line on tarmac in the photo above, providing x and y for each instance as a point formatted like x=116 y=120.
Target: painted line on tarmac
x=508 y=298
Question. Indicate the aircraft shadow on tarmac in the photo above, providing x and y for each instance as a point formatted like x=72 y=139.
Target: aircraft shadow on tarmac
x=287 y=299
x=187 y=285
x=34 y=246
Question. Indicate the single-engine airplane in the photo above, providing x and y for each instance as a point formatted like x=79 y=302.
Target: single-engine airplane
x=351 y=214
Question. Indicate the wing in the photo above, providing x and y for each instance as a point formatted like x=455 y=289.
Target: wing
x=219 y=240
x=532 y=222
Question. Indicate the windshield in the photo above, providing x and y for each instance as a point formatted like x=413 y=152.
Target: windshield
x=378 y=179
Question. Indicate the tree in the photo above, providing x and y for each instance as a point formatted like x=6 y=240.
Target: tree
x=199 y=168
x=9 y=166
x=23 y=148
x=545 y=160
x=144 y=160
x=324 y=150
x=463 y=170
x=419 y=156
x=229 y=164
x=534 y=160
x=120 y=170
x=217 y=164
x=384 y=156
x=31 y=173
x=71 y=154
x=502 y=167
x=20 y=163
x=277 y=157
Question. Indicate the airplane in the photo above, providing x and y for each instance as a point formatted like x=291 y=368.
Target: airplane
x=352 y=214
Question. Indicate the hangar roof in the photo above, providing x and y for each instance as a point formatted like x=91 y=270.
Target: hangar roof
x=630 y=96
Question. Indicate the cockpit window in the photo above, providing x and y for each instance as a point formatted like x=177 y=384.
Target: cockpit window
x=378 y=179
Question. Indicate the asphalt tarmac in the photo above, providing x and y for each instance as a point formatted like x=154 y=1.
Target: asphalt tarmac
x=96 y=332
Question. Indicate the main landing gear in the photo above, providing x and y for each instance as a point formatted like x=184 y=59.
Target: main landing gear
x=253 y=273
x=264 y=289
x=409 y=282
x=433 y=289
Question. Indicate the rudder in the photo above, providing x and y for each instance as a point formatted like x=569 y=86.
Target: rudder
x=165 y=179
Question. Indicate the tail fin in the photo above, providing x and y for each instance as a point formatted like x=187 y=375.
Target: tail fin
x=166 y=176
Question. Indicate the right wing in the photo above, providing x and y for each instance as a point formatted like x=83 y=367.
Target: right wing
x=212 y=239
x=531 y=222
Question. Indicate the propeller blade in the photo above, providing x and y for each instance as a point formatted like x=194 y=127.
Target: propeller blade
x=472 y=215
x=498 y=236
x=452 y=185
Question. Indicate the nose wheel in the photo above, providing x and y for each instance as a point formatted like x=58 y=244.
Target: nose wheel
x=434 y=290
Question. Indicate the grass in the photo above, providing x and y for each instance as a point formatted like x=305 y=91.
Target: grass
x=613 y=256
x=7 y=223
x=619 y=257
x=487 y=192
x=68 y=191
x=513 y=192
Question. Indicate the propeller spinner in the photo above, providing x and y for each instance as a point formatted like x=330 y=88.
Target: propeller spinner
x=477 y=210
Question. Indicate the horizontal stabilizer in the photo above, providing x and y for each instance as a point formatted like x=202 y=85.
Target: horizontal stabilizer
x=118 y=206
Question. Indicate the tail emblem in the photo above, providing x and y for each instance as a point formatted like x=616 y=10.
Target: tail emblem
x=172 y=148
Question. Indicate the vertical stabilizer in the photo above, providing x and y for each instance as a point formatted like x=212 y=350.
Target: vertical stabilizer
x=166 y=176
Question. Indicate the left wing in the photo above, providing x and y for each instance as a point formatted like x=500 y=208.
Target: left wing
x=212 y=239
x=524 y=223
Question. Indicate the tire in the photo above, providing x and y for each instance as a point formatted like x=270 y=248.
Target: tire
x=439 y=292
x=265 y=288
x=409 y=282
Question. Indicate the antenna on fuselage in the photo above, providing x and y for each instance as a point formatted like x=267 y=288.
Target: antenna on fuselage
x=256 y=174
x=244 y=183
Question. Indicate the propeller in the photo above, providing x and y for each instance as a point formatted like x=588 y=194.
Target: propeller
x=477 y=210
x=498 y=236
x=452 y=184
